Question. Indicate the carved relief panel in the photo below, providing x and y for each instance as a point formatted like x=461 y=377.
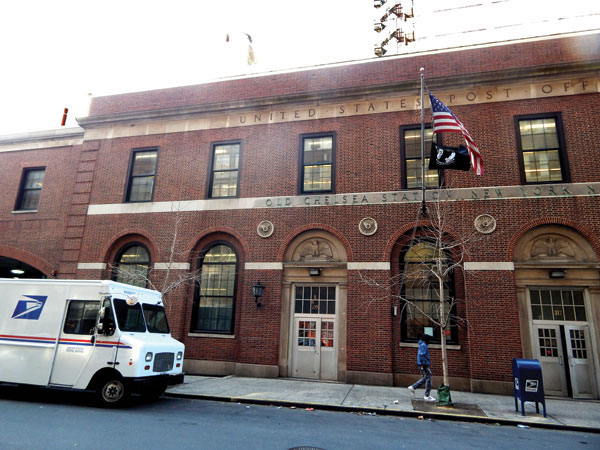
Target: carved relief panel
x=553 y=244
x=316 y=246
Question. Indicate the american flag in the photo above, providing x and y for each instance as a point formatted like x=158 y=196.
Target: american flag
x=445 y=121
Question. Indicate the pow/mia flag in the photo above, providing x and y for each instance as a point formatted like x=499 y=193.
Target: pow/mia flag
x=452 y=158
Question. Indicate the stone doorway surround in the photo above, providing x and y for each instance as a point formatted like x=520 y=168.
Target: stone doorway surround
x=554 y=247
x=320 y=251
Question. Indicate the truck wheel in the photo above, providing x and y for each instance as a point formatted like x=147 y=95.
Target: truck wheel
x=112 y=392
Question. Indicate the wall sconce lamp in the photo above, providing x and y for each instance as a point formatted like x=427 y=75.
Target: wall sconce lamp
x=557 y=273
x=257 y=291
x=314 y=272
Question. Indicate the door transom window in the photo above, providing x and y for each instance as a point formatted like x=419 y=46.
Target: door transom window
x=315 y=300
x=557 y=305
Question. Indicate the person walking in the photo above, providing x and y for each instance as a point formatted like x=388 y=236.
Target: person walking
x=424 y=363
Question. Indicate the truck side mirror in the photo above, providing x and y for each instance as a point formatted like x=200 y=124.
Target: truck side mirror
x=100 y=320
x=104 y=323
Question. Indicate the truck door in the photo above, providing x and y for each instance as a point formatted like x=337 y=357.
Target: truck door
x=79 y=344
x=76 y=342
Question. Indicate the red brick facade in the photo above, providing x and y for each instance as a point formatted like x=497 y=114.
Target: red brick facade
x=83 y=221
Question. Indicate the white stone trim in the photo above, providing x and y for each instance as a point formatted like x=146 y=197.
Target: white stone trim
x=483 y=265
x=497 y=193
x=39 y=145
x=212 y=335
x=177 y=206
x=173 y=266
x=91 y=266
x=369 y=265
x=365 y=265
x=263 y=266
x=35 y=140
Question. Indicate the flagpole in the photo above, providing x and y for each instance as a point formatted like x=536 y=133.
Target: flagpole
x=423 y=181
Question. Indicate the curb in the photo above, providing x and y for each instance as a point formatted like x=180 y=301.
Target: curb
x=387 y=412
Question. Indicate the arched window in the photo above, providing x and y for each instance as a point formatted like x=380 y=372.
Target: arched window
x=421 y=292
x=215 y=293
x=132 y=265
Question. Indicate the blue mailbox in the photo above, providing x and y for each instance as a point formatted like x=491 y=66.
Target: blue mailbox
x=528 y=385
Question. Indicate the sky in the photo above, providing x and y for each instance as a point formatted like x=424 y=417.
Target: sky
x=56 y=54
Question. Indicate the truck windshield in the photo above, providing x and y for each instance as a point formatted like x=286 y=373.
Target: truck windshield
x=156 y=319
x=129 y=317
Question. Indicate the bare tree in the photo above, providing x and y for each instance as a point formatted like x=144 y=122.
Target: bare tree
x=167 y=279
x=432 y=254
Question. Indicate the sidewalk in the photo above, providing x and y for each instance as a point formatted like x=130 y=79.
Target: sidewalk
x=495 y=409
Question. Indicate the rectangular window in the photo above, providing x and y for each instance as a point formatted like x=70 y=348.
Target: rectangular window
x=156 y=318
x=317 y=155
x=140 y=186
x=307 y=330
x=420 y=312
x=30 y=190
x=225 y=170
x=421 y=309
x=129 y=317
x=81 y=317
x=557 y=304
x=214 y=305
x=215 y=311
x=315 y=300
x=410 y=148
x=578 y=344
x=541 y=147
x=548 y=342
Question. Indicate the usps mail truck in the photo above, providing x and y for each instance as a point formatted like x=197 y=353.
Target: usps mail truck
x=104 y=336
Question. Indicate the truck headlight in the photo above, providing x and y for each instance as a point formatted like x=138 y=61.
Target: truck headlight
x=179 y=356
x=149 y=356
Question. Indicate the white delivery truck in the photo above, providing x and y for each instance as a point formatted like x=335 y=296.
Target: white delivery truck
x=105 y=336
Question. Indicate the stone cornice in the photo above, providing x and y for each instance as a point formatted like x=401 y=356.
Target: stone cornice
x=42 y=139
x=46 y=135
x=482 y=79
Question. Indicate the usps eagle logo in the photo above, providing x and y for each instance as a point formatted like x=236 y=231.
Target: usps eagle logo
x=30 y=307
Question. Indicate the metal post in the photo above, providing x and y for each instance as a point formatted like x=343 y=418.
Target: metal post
x=423 y=181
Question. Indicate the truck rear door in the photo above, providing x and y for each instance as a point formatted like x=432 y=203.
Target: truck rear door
x=29 y=319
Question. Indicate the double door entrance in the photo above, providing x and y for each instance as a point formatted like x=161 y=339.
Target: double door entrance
x=314 y=337
x=562 y=342
x=567 y=367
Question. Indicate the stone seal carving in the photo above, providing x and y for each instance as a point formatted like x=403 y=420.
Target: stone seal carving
x=485 y=223
x=315 y=250
x=367 y=226
x=265 y=229
x=552 y=247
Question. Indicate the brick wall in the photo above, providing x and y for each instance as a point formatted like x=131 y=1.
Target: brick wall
x=61 y=234
x=380 y=71
x=36 y=238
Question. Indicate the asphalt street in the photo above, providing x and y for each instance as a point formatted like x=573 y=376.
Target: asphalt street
x=42 y=419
